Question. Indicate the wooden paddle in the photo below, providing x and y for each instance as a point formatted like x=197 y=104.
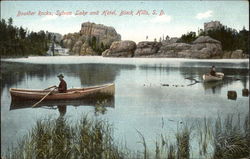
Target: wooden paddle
x=49 y=87
x=43 y=98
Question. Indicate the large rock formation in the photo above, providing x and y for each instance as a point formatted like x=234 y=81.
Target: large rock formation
x=121 y=49
x=203 y=47
x=206 y=47
x=103 y=33
x=91 y=40
x=146 y=48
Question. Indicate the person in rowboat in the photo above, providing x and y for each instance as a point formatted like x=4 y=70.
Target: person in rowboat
x=62 y=88
x=212 y=72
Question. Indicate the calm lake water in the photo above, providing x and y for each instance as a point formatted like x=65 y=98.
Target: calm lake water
x=140 y=101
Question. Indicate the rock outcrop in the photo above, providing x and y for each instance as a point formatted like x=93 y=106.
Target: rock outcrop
x=227 y=54
x=146 y=48
x=120 y=49
x=206 y=47
x=86 y=49
x=237 y=54
x=92 y=39
x=174 y=50
x=103 y=33
x=202 y=48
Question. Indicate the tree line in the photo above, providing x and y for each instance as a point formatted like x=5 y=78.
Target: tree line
x=230 y=39
x=17 y=41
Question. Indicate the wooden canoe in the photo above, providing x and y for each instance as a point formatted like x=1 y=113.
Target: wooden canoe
x=71 y=94
x=209 y=78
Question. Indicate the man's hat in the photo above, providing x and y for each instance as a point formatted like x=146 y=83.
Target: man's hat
x=60 y=75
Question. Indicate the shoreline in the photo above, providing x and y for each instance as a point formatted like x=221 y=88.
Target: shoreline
x=140 y=57
x=150 y=62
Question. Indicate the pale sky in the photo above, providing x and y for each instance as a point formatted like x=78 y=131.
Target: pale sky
x=179 y=16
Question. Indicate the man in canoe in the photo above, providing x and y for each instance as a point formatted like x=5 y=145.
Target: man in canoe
x=212 y=72
x=62 y=88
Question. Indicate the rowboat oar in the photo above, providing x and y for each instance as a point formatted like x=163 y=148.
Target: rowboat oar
x=49 y=87
x=43 y=98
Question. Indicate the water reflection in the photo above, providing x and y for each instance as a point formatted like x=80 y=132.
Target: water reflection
x=98 y=99
x=215 y=86
x=217 y=64
x=62 y=110
x=88 y=74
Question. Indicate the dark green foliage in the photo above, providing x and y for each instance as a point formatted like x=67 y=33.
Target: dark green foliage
x=243 y=40
x=188 y=38
x=16 y=41
x=230 y=39
x=96 y=45
x=22 y=33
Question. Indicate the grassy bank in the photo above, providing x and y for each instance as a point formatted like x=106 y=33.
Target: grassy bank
x=93 y=139
x=58 y=139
